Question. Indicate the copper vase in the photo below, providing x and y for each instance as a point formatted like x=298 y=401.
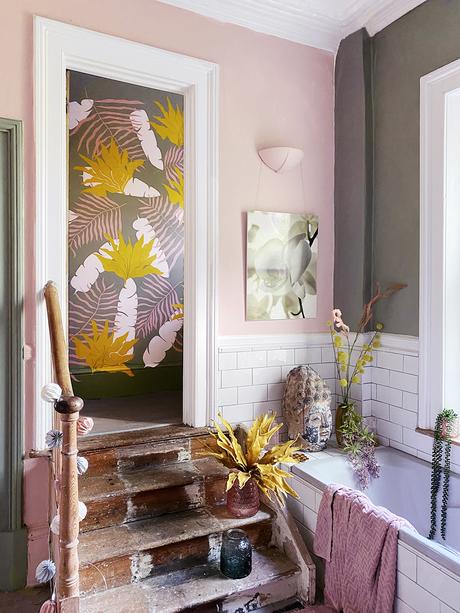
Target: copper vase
x=245 y=501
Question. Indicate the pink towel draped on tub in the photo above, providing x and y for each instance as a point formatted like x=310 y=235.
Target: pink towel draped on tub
x=359 y=542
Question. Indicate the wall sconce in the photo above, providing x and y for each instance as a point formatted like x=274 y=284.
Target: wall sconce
x=281 y=159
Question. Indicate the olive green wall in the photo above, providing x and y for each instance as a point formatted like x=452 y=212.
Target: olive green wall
x=421 y=41
x=353 y=175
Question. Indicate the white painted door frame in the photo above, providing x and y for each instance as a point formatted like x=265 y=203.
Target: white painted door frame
x=59 y=47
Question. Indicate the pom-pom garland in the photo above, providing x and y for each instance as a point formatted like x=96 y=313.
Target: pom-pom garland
x=49 y=606
x=54 y=439
x=51 y=392
x=84 y=425
x=54 y=526
x=45 y=571
x=82 y=465
x=82 y=510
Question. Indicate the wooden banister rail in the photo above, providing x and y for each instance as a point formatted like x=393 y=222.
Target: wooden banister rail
x=68 y=408
x=57 y=338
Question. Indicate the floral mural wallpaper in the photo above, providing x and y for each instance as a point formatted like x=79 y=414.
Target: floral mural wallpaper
x=282 y=253
x=126 y=236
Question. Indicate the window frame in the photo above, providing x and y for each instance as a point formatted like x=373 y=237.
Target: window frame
x=437 y=90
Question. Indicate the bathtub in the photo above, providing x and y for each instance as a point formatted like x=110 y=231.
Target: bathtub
x=404 y=488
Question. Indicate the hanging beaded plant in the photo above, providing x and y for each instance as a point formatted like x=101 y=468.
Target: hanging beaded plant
x=440 y=468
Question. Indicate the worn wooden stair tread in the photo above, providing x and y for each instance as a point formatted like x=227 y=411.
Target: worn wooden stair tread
x=149 y=478
x=142 y=535
x=98 y=442
x=184 y=589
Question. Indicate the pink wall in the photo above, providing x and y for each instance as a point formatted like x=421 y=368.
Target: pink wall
x=273 y=92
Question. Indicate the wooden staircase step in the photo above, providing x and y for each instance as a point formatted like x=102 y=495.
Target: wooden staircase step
x=97 y=442
x=188 y=589
x=142 y=453
x=116 y=498
x=124 y=554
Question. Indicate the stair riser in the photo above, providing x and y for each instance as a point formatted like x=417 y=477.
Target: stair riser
x=159 y=453
x=119 y=509
x=169 y=558
x=278 y=591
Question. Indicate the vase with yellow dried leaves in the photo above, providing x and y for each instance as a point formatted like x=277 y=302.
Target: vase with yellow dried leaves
x=253 y=468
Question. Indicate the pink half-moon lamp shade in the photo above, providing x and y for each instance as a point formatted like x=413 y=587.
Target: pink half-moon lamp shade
x=281 y=159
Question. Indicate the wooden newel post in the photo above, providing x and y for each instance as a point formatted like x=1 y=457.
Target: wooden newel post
x=69 y=408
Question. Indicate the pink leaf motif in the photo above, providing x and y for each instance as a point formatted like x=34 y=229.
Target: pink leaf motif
x=155 y=305
x=173 y=159
x=109 y=119
x=168 y=228
x=95 y=217
x=98 y=304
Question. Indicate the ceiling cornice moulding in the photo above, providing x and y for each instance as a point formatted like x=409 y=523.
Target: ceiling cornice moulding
x=320 y=26
x=278 y=20
x=376 y=15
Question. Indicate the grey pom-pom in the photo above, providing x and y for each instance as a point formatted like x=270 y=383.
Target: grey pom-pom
x=82 y=465
x=45 y=571
x=54 y=439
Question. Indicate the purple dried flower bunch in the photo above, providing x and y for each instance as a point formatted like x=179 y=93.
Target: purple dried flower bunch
x=365 y=465
x=359 y=444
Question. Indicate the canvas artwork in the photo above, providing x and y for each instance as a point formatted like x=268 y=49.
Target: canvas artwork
x=125 y=235
x=282 y=255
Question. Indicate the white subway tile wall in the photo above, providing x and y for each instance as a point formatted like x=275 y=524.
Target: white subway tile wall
x=395 y=403
x=252 y=381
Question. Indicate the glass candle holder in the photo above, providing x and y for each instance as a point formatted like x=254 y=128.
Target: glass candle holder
x=235 y=554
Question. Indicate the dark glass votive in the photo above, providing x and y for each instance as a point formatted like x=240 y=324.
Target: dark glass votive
x=235 y=554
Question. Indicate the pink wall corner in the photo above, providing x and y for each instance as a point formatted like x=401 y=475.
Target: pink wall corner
x=272 y=92
x=36 y=513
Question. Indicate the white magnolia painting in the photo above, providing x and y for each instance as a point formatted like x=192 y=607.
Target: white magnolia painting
x=282 y=255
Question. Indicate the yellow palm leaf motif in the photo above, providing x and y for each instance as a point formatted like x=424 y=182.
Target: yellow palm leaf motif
x=175 y=189
x=250 y=460
x=108 y=172
x=129 y=261
x=103 y=352
x=170 y=124
x=178 y=311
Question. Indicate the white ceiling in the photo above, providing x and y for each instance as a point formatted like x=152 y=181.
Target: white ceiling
x=319 y=23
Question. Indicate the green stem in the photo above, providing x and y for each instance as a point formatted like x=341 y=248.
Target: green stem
x=300 y=309
x=331 y=330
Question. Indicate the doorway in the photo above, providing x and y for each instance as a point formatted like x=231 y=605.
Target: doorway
x=125 y=251
x=60 y=48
